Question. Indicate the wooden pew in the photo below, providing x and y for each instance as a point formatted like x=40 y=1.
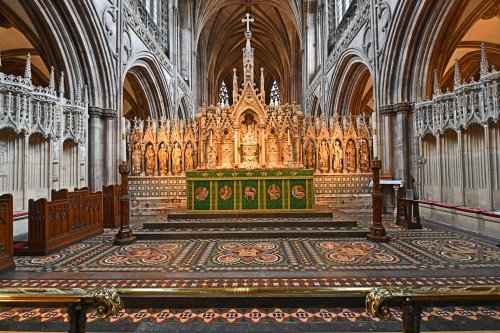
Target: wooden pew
x=69 y=218
x=408 y=214
x=112 y=212
x=6 y=225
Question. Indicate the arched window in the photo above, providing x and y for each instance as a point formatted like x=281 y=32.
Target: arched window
x=223 y=95
x=275 y=95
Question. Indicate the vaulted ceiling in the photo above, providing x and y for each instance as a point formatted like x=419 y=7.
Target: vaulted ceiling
x=219 y=36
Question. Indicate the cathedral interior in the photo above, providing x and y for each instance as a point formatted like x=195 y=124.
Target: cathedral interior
x=250 y=165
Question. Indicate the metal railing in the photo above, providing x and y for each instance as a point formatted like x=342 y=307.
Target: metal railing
x=379 y=301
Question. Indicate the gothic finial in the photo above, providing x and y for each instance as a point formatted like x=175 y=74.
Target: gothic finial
x=458 y=78
x=86 y=95
x=484 y=61
x=52 y=81
x=27 y=70
x=436 y=83
x=0 y=58
x=419 y=92
x=61 y=85
x=262 y=87
x=79 y=93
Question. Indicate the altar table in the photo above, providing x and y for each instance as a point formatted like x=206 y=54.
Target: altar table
x=250 y=190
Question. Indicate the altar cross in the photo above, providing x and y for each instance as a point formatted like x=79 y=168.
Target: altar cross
x=247 y=21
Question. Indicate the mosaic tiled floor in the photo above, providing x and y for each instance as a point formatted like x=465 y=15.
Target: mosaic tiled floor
x=249 y=319
x=429 y=249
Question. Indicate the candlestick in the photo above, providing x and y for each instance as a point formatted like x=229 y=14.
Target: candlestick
x=124 y=140
x=210 y=138
x=288 y=130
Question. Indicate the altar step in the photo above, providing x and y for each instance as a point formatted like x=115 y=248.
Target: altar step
x=249 y=226
x=251 y=234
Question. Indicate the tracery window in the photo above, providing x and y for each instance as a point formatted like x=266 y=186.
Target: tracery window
x=275 y=95
x=223 y=95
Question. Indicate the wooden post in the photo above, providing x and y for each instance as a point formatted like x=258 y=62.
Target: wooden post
x=377 y=230
x=124 y=235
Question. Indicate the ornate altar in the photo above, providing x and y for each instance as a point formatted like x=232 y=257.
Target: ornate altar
x=250 y=190
x=251 y=138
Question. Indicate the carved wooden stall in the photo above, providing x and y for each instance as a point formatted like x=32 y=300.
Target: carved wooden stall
x=71 y=217
x=112 y=213
x=6 y=246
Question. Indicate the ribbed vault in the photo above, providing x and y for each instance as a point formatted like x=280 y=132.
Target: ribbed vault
x=220 y=39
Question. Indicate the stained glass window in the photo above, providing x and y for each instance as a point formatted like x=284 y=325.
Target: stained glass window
x=223 y=95
x=275 y=95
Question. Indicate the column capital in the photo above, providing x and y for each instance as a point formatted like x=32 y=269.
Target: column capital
x=95 y=112
x=109 y=114
x=393 y=109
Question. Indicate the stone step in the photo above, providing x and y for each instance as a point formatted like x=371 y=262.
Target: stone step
x=237 y=215
x=246 y=223
x=253 y=234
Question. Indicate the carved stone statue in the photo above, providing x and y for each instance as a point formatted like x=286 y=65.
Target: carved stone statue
x=350 y=157
x=227 y=155
x=211 y=157
x=364 y=157
x=272 y=153
x=136 y=160
x=337 y=157
x=250 y=143
x=287 y=154
x=150 y=161
x=323 y=157
x=310 y=156
x=189 y=158
x=163 y=158
x=177 y=159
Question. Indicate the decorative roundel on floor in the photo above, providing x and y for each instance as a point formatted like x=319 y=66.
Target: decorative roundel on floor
x=48 y=259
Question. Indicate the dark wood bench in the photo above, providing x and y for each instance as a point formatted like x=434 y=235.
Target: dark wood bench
x=112 y=212
x=69 y=218
x=6 y=226
x=408 y=215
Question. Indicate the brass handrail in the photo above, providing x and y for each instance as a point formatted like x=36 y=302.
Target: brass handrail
x=240 y=291
x=378 y=300
x=411 y=300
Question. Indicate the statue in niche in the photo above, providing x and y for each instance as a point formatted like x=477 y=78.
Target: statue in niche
x=227 y=155
x=272 y=153
x=323 y=157
x=287 y=154
x=177 y=159
x=189 y=158
x=337 y=157
x=250 y=145
x=163 y=157
x=364 y=157
x=310 y=156
x=136 y=160
x=150 y=161
x=211 y=157
x=350 y=157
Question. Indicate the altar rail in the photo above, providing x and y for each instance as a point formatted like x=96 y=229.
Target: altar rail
x=71 y=217
x=378 y=300
x=6 y=225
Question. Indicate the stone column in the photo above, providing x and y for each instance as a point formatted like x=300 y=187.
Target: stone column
x=110 y=145
x=439 y=175
x=460 y=137
x=25 y=171
x=489 y=175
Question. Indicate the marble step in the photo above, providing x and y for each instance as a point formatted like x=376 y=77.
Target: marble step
x=346 y=232
x=246 y=223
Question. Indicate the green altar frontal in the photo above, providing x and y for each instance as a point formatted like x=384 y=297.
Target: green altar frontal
x=250 y=190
